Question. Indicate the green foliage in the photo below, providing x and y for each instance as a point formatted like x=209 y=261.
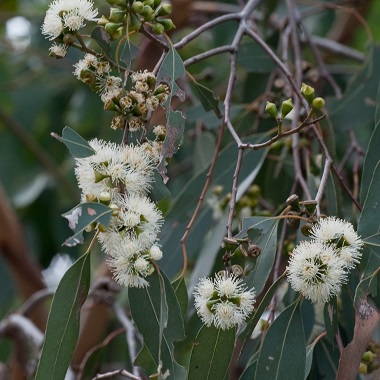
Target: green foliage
x=64 y=321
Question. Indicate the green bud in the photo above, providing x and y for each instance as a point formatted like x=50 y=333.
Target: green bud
x=115 y=209
x=217 y=190
x=308 y=92
x=271 y=109
x=306 y=229
x=156 y=3
x=90 y=197
x=287 y=106
x=148 y=13
x=138 y=6
x=116 y=15
x=363 y=368
x=102 y=227
x=167 y=23
x=158 y=28
x=149 y=2
x=68 y=39
x=117 y=2
x=368 y=357
x=103 y=21
x=318 y=103
x=112 y=28
x=99 y=176
x=89 y=228
x=164 y=10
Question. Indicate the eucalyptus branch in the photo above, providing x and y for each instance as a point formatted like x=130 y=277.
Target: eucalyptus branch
x=155 y=39
x=323 y=183
x=209 y=53
x=119 y=372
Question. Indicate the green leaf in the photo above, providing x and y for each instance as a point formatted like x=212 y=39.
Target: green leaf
x=263 y=232
x=64 y=320
x=102 y=38
x=369 y=227
x=77 y=145
x=366 y=286
x=283 y=353
x=170 y=70
x=211 y=353
x=129 y=52
x=254 y=320
x=309 y=359
x=180 y=289
x=159 y=190
x=84 y=214
x=157 y=315
x=175 y=125
x=330 y=314
x=207 y=98
x=90 y=364
x=372 y=157
x=356 y=108
x=145 y=360
x=204 y=149
x=253 y=58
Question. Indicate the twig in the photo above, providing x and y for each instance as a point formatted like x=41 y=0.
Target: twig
x=119 y=372
x=208 y=53
x=130 y=332
x=34 y=300
x=322 y=185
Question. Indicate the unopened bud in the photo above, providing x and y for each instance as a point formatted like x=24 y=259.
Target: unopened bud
x=148 y=13
x=167 y=23
x=138 y=6
x=116 y=15
x=102 y=227
x=368 y=357
x=293 y=201
x=112 y=28
x=155 y=252
x=90 y=197
x=134 y=23
x=164 y=10
x=158 y=28
x=68 y=39
x=306 y=229
x=293 y=222
x=271 y=109
x=103 y=21
x=308 y=92
x=105 y=196
x=318 y=103
x=310 y=206
x=149 y=2
x=363 y=368
x=287 y=106
x=115 y=209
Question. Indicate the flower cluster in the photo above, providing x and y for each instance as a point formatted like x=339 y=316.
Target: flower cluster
x=65 y=16
x=224 y=301
x=120 y=177
x=317 y=268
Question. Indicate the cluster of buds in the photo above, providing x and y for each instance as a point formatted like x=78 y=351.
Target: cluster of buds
x=134 y=107
x=286 y=107
x=133 y=14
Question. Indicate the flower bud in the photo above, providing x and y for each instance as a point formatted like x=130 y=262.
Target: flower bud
x=253 y=250
x=90 y=197
x=271 y=109
x=88 y=77
x=117 y=2
x=167 y=23
x=230 y=243
x=102 y=227
x=103 y=21
x=148 y=13
x=138 y=6
x=141 y=265
x=89 y=228
x=318 y=103
x=368 y=357
x=164 y=10
x=148 y=2
x=306 y=229
x=287 y=106
x=293 y=222
x=155 y=252
x=363 y=368
x=105 y=196
x=156 y=3
x=115 y=209
x=158 y=28
x=99 y=176
x=116 y=15
x=112 y=28
x=308 y=92
x=68 y=39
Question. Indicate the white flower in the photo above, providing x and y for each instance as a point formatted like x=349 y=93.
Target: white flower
x=316 y=270
x=58 y=51
x=224 y=301
x=155 y=252
x=336 y=231
x=67 y=14
x=205 y=289
x=227 y=315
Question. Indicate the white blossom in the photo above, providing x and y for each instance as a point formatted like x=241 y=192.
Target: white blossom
x=316 y=270
x=336 y=231
x=67 y=14
x=155 y=252
x=224 y=301
x=58 y=50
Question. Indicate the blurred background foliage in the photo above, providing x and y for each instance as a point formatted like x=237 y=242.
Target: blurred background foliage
x=39 y=95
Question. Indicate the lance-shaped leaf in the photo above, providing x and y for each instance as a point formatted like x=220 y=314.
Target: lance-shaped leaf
x=103 y=39
x=330 y=314
x=283 y=353
x=77 y=145
x=64 y=320
x=159 y=190
x=84 y=214
x=263 y=232
x=174 y=132
x=157 y=315
x=211 y=353
x=171 y=69
x=207 y=98
x=180 y=289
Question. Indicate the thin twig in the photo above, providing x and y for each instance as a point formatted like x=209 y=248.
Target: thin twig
x=119 y=372
x=322 y=185
x=209 y=53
